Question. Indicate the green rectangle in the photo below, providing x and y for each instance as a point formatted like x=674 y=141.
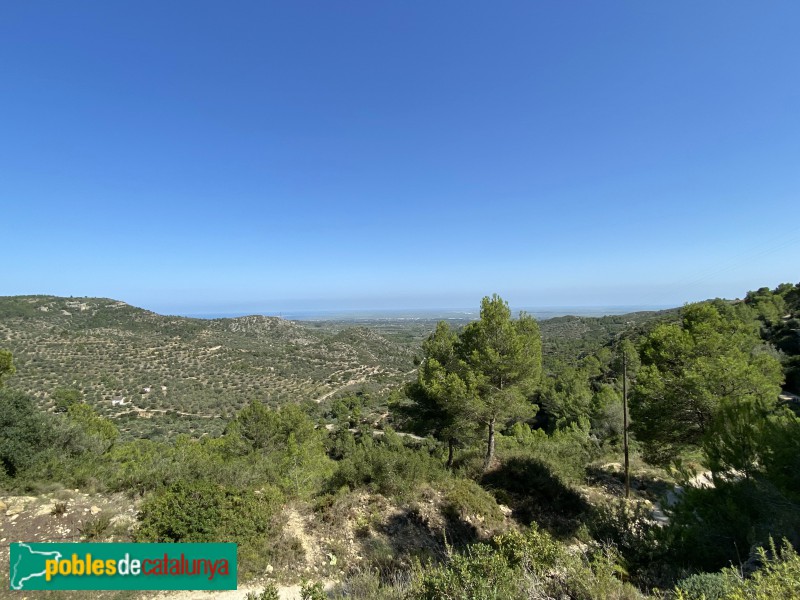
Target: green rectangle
x=98 y=566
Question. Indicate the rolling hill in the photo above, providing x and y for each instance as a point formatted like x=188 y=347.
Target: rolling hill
x=185 y=375
x=178 y=374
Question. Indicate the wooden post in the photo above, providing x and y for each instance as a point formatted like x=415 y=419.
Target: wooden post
x=625 y=424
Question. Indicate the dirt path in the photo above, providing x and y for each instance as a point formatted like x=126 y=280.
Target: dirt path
x=296 y=526
x=379 y=432
x=701 y=480
x=357 y=380
x=136 y=409
x=290 y=592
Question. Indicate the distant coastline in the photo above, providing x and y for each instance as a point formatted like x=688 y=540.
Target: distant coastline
x=460 y=314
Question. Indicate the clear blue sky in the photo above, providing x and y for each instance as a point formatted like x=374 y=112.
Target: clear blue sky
x=225 y=156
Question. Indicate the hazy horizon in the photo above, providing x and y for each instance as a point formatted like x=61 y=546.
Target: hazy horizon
x=312 y=309
x=455 y=313
x=580 y=300
x=193 y=305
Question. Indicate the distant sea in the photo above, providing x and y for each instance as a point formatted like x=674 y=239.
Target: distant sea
x=429 y=314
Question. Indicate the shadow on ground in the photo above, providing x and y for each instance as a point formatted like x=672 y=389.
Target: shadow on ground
x=534 y=493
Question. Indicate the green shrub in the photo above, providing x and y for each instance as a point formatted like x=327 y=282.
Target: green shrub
x=532 y=488
x=533 y=551
x=565 y=452
x=523 y=566
x=379 y=554
x=711 y=526
x=184 y=512
x=464 y=497
x=24 y=431
x=479 y=574
x=705 y=586
x=204 y=512
x=779 y=577
x=270 y=592
x=629 y=528
x=312 y=591
x=371 y=585
x=388 y=468
x=93 y=530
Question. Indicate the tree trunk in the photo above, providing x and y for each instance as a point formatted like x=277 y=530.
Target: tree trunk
x=489 y=447
x=450 y=451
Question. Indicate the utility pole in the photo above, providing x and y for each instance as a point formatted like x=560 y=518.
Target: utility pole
x=625 y=424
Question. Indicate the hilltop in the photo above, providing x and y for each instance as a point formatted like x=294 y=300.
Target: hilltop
x=572 y=337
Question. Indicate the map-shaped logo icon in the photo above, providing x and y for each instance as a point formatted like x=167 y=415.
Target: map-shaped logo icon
x=28 y=564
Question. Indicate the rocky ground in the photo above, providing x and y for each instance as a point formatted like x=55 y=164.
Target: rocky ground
x=355 y=528
x=61 y=516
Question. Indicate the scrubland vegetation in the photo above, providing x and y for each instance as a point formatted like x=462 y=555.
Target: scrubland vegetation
x=511 y=484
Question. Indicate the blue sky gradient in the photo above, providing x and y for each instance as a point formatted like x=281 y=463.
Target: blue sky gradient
x=266 y=156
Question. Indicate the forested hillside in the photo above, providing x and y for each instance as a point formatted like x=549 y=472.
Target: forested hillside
x=184 y=375
x=512 y=488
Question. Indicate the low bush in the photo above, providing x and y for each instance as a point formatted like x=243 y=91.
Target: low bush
x=270 y=592
x=531 y=488
x=565 y=452
x=711 y=527
x=371 y=585
x=779 y=577
x=641 y=543
x=93 y=530
x=205 y=512
x=312 y=591
x=464 y=498
x=523 y=566
x=387 y=467
x=705 y=586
